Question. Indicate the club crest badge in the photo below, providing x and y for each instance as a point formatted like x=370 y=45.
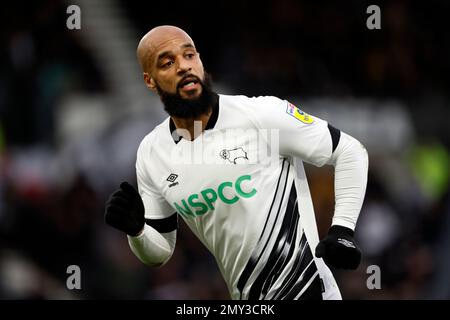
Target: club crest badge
x=233 y=155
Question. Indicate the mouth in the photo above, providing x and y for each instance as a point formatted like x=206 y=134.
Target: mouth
x=189 y=83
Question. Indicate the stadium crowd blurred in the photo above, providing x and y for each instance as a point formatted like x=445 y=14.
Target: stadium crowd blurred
x=52 y=190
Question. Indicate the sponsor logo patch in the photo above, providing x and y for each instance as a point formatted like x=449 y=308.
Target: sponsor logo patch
x=227 y=192
x=299 y=114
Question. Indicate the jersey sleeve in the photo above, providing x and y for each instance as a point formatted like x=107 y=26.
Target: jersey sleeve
x=315 y=141
x=300 y=134
x=156 y=206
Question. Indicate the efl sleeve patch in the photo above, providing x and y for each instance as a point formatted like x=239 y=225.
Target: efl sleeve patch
x=298 y=114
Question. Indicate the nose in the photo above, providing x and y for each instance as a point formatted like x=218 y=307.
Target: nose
x=183 y=66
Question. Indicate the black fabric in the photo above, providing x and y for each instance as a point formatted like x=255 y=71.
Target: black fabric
x=295 y=290
x=303 y=261
x=124 y=210
x=210 y=125
x=335 y=136
x=314 y=291
x=338 y=249
x=281 y=252
x=256 y=256
x=164 y=225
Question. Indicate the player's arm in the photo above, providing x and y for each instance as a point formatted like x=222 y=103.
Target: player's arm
x=155 y=244
x=151 y=240
x=350 y=160
x=315 y=141
x=319 y=143
x=147 y=219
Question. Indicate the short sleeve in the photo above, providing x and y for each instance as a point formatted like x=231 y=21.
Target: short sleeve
x=300 y=134
x=156 y=206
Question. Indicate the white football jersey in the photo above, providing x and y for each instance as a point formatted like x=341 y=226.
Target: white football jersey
x=241 y=188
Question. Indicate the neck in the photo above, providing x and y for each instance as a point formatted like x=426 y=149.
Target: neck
x=191 y=128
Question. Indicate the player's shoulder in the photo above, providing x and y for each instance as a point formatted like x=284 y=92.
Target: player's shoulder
x=251 y=100
x=153 y=137
x=252 y=106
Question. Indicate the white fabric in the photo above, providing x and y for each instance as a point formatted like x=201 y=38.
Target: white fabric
x=227 y=194
x=351 y=164
x=153 y=248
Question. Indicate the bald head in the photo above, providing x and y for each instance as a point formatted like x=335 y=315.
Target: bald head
x=155 y=39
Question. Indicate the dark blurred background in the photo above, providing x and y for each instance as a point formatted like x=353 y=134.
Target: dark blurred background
x=73 y=109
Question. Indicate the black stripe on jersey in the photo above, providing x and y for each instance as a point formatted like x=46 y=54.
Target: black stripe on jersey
x=291 y=246
x=275 y=195
x=299 y=277
x=314 y=291
x=302 y=261
x=257 y=254
x=164 y=225
x=335 y=136
x=280 y=251
x=299 y=265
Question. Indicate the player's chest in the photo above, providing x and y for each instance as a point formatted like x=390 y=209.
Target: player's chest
x=197 y=177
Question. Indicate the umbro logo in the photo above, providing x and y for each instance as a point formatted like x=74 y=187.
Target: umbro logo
x=171 y=178
x=346 y=243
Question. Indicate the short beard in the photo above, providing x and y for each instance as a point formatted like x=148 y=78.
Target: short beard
x=179 y=107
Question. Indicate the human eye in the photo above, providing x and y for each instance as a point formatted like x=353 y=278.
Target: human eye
x=190 y=55
x=167 y=64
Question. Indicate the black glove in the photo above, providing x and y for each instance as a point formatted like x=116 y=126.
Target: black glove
x=338 y=249
x=125 y=210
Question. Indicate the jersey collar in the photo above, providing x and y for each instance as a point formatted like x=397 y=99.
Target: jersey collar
x=210 y=125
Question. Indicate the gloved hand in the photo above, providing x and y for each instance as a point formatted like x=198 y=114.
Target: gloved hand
x=338 y=249
x=125 y=211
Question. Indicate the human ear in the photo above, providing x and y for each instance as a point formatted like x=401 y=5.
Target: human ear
x=149 y=82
